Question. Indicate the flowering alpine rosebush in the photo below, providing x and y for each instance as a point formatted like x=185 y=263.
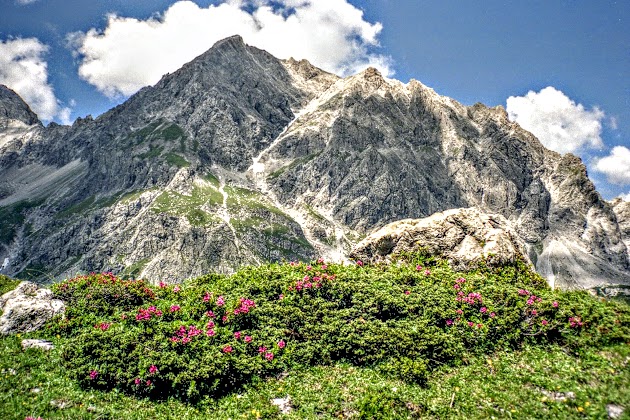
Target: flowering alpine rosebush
x=216 y=332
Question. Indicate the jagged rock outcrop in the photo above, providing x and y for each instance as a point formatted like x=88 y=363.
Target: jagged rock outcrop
x=463 y=236
x=622 y=211
x=239 y=157
x=27 y=308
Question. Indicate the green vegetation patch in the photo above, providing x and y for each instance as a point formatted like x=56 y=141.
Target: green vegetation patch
x=12 y=217
x=156 y=131
x=408 y=340
x=242 y=197
x=174 y=159
x=189 y=206
x=7 y=284
x=134 y=270
x=297 y=162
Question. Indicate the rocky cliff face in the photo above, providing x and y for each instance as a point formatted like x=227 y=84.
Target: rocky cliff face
x=239 y=157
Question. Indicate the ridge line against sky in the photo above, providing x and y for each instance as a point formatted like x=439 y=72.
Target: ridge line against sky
x=561 y=69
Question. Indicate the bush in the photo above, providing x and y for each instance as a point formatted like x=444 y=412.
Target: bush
x=214 y=333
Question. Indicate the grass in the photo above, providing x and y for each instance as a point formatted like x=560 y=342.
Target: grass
x=7 y=284
x=508 y=384
x=174 y=159
x=190 y=206
x=339 y=340
x=12 y=217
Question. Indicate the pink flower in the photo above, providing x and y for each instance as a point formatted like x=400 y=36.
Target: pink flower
x=281 y=296
x=262 y=349
x=456 y=286
x=137 y=381
x=479 y=325
x=470 y=324
x=176 y=289
x=248 y=338
x=224 y=318
x=459 y=312
x=449 y=322
x=483 y=310
x=555 y=304
x=320 y=261
x=418 y=267
x=93 y=374
x=281 y=344
x=153 y=369
x=407 y=292
x=544 y=322
x=210 y=324
x=206 y=297
x=269 y=356
x=308 y=268
x=360 y=263
x=149 y=382
x=324 y=267
x=210 y=314
x=534 y=312
x=227 y=349
x=162 y=285
x=427 y=272
x=175 y=308
x=492 y=314
x=460 y=280
x=237 y=335
x=210 y=333
x=220 y=301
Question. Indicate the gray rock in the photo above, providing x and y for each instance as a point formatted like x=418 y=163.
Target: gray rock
x=614 y=411
x=37 y=344
x=27 y=308
x=240 y=158
x=284 y=404
x=463 y=236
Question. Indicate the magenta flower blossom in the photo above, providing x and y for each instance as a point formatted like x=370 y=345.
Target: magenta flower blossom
x=176 y=289
x=175 y=308
x=555 y=304
x=324 y=267
x=483 y=310
x=248 y=338
x=320 y=260
x=544 y=322
x=153 y=369
x=360 y=263
x=427 y=272
x=210 y=314
x=210 y=324
x=492 y=314
x=459 y=312
x=308 y=268
x=206 y=297
x=534 y=312
x=162 y=285
x=479 y=325
x=137 y=381
x=220 y=301
x=418 y=267
x=449 y=322
x=269 y=356
x=227 y=349
x=470 y=323
x=93 y=374
x=262 y=349
x=281 y=344
x=237 y=335
x=149 y=382
x=407 y=292
x=456 y=286
x=281 y=296
x=210 y=333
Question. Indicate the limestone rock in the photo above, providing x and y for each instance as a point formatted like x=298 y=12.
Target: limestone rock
x=27 y=308
x=463 y=236
x=37 y=344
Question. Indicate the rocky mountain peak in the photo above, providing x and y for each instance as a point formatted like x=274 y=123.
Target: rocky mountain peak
x=13 y=107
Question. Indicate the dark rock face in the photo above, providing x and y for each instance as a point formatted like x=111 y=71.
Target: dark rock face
x=239 y=157
x=12 y=107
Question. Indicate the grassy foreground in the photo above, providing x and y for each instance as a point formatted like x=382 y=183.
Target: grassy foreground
x=411 y=340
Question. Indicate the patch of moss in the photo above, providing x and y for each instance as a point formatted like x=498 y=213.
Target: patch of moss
x=134 y=270
x=189 y=206
x=154 y=151
x=12 y=217
x=174 y=159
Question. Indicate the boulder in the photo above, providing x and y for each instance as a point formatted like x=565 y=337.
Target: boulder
x=464 y=236
x=27 y=308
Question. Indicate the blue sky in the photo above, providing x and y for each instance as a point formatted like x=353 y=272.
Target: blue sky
x=71 y=58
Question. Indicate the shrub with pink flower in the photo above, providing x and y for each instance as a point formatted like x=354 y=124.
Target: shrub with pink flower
x=227 y=349
x=93 y=374
x=220 y=301
x=269 y=356
x=175 y=308
x=281 y=344
x=248 y=338
x=153 y=369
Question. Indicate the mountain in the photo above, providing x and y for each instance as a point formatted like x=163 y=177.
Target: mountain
x=239 y=157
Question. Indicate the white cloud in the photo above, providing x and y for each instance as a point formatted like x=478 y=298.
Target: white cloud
x=616 y=166
x=24 y=69
x=130 y=53
x=559 y=123
x=625 y=197
x=23 y=2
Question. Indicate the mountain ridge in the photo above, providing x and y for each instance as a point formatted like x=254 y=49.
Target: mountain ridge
x=239 y=157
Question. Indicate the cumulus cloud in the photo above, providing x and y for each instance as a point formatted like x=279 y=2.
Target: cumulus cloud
x=130 y=53
x=23 y=2
x=559 y=123
x=616 y=166
x=625 y=197
x=24 y=69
